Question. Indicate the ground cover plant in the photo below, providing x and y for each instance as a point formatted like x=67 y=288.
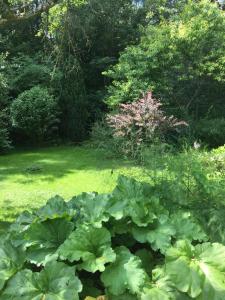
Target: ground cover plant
x=128 y=244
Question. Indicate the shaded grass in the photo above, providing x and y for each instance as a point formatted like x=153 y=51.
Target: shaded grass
x=29 y=178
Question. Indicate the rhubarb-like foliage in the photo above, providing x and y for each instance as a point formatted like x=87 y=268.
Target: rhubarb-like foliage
x=127 y=245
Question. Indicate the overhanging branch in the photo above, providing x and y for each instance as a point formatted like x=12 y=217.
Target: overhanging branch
x=12 y=17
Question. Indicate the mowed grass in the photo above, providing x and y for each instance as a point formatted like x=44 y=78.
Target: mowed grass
x=29 y=178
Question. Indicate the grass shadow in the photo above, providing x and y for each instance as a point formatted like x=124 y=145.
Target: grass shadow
x=54 y=163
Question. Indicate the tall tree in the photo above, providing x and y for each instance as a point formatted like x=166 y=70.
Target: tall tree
x=181 y=60
x=87 y=38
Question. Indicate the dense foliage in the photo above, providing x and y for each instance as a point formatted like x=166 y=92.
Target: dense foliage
x=181 y=60
x=66 y=64
x=4 y=113
x=174 y=48
x=130 y=244
x=35 y=113
x=87 y=37
x=136 y=126
x=211 y=131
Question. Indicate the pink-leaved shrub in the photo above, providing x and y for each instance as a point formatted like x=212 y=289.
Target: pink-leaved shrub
x=141 y=123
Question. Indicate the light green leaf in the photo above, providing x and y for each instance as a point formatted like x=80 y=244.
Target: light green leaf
x=55 y=208
x=144 y=212
x=11 y=261
x=18 y=228
x=133 y=199
x=127 y=190
x=91 y=245
x=156 y=293
x=160 y=288
x=125 y=274
x=92 y=208
x=56 y=282
x=22 y=222
x=117 y=208
x=43 y=239
x=187 y=228
x=158 y=236
x=129 y=187
x=198 y=271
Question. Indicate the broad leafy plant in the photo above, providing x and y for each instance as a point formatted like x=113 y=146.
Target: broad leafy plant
x=126 y=245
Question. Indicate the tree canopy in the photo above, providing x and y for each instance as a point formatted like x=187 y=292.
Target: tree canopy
x=94 y=54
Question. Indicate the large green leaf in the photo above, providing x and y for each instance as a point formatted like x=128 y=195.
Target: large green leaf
x=92 y=208
x=19 y=227
x=125 y=274
x=144 y=212
x=160 y=288
x=22 y=222
x=156 y=293
x=11 y=261
x=55 y=208
x=129 y=187
x=198 y=271
x=126 y=192
x=56 y=282
x=43 y=239
x=187 y=228
x=91 y=245
x=158 y=235
x=133 y=199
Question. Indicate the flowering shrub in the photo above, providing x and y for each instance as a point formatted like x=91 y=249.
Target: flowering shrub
x=142 y=122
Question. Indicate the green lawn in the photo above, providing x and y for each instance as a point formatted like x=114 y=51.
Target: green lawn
x=68 y=171
x=65 y=171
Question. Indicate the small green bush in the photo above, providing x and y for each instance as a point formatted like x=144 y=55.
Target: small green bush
x=102 y=138
x=35 y=113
